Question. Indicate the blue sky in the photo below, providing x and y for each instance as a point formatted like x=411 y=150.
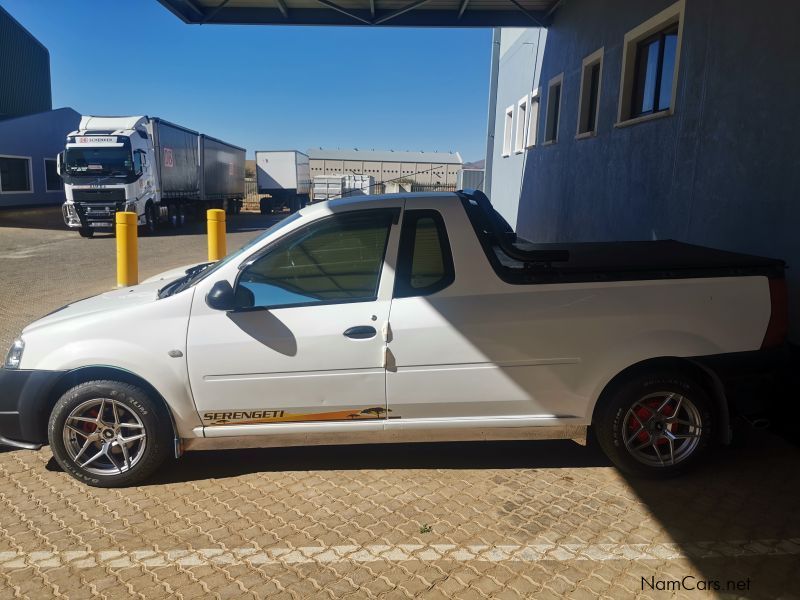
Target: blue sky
x=268 y=87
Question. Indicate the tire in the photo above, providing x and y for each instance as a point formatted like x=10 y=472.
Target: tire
x=86 y=232
x=83 y=439
x=265 y=206
x=644 y=442
x=150 y=222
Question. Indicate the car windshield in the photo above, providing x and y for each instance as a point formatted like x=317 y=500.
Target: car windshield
x=98 y=161
x=196 y=275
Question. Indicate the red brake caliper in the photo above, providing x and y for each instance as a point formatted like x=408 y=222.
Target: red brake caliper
x=643 y=413
x=90 y=427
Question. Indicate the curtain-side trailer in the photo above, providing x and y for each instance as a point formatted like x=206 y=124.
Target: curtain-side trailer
x=161 y=171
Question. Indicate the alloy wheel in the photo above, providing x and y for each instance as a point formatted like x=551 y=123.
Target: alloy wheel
x=104 y=436
x=662 y=429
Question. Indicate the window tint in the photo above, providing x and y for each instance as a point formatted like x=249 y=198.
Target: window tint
x=338 y=259
x=654 y=72
x=553 y=108
x=52 y=179
x=426 y=263
x=14 y=175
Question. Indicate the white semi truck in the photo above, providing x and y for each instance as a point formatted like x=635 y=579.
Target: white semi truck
x=159 y=170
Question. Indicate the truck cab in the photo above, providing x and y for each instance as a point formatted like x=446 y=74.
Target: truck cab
x=108 y=166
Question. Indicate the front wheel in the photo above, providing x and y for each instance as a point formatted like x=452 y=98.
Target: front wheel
x=86 y=232
x=150 y=219
x=655 y=424
x=109 y=433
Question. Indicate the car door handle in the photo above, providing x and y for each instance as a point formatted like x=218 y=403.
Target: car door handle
x=361 y=332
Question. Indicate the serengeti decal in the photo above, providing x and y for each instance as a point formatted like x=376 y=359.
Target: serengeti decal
x=256 y=417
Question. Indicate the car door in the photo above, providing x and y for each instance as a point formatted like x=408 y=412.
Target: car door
x=465 y=347
x=309 y=347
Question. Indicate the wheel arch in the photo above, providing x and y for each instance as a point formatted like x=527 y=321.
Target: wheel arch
x=92 y=373
x=706 y=377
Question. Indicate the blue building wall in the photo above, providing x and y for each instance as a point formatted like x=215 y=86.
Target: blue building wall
x=37 y=137
x=723 y=170
x=519 y=62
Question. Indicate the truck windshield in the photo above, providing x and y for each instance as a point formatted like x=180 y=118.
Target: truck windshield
x=98 y=161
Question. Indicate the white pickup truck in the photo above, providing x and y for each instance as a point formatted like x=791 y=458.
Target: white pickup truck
x=417 y=317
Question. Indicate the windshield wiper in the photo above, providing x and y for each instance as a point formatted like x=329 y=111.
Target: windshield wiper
x=184 y=281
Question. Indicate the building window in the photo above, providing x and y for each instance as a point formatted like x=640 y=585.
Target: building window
x=533 y=119
x=522 y=122
x=15 y=175
x=52 y=179
x=508 y=129
x=553 y=114
x=650 y=66
x=588 y=107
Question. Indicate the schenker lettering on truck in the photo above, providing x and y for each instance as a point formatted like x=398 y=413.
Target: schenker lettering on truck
x=406 y=317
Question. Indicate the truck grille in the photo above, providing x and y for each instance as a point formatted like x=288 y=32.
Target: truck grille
x=96 y=208
x=89 y=196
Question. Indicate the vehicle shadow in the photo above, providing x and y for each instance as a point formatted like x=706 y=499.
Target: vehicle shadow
x=736 y=517
x=222 y=464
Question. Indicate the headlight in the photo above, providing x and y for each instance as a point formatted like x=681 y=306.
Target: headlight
x=14 y=356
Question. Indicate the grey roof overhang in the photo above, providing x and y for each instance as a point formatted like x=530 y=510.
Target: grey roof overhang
x=391 y=13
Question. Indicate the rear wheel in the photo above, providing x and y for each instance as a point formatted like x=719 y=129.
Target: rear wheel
x=150 y=219
x=108 y=433
x=655 y=424
x=265 y=205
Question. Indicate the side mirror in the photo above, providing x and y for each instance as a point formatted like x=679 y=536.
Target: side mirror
x=221 y=296
x=60 y=163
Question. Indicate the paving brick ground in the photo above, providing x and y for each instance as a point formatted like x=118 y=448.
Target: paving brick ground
x=485 y=520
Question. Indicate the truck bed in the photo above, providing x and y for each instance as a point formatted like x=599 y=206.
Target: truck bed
x=661 y=259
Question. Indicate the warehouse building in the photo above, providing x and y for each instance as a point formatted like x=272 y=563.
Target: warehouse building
x=425 y=171
x=24 y=70
x=31 y=134
x=652 y=120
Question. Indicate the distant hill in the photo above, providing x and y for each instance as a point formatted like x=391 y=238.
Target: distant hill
x=478 y=164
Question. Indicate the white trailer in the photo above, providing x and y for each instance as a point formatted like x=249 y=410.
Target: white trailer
x=283 y=178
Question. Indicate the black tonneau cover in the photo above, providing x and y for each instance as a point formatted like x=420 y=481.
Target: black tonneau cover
x=670 y=257
x=519 y=261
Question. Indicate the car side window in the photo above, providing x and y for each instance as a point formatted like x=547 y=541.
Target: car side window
x=426 y=262
x=336 y=259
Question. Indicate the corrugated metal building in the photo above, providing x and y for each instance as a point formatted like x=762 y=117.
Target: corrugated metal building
x=424 y=169
x=31 y=134
x=24 y=71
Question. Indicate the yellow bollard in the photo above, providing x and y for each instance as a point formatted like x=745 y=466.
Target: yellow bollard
x=127 y=249
x=216 y=234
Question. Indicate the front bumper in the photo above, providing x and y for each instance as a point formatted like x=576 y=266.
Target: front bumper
x=25 y=403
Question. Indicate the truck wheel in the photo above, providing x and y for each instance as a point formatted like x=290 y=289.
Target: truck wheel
x=655 y=424
x=86 y=232
x=109 y=434
x=265 y=205
x=150 y=219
